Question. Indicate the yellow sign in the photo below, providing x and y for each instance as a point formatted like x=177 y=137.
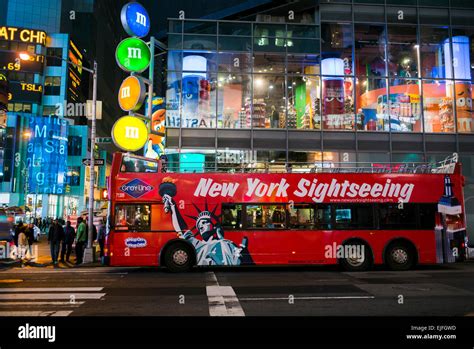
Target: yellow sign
x=130 y=133
x=132 y=93
x=24 y=35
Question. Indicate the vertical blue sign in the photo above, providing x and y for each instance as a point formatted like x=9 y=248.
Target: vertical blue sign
x=47 y=155
x=135 y=20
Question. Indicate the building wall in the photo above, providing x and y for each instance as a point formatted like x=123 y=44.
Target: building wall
x=44 y=14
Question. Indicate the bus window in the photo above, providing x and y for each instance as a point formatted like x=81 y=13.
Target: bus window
x=266 y=216
x=354 y=217
x=322 y=217
x=427 y=215
x=302 y=217
x=135 y=165
x=132 y=217
x=392 y=217
x=231 y=216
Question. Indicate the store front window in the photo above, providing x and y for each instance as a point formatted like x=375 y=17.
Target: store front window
x=234 y=101
x=438 y=109
x=268 y=109
x=371 y=100
x=304 y=102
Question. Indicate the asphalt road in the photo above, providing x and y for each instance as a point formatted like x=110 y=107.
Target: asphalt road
x=282 y=291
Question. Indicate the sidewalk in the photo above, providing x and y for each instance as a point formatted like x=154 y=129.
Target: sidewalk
x=42 y=259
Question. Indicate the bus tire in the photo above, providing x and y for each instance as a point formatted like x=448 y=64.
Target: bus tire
x=357 y=264
x=179 y=258
x=400 y=256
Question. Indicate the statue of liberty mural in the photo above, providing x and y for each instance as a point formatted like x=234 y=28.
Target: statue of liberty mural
x=209 y=242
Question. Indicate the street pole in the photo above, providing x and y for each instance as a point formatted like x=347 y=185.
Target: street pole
x=150 y=86
x=89 y=253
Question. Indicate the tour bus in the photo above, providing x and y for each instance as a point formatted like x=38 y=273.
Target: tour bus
x=398 y=215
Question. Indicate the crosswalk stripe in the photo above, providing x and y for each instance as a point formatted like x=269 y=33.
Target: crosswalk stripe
x=51 y=289
x=222 y=299
x=58 y=303
x=43 y=296
x=34 y=313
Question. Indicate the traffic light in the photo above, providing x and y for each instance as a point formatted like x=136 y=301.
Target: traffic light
x=104 y=194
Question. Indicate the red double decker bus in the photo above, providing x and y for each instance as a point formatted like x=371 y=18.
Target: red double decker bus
x=381 y=214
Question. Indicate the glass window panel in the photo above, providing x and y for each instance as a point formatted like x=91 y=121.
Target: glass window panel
x=335 y=12
x=304 y=102
x=462 y=17
x=398 y=14
x=175 y=42
x=269 y=63
x=266 y=216
x=303 y=64
x=173 y=99
x=302 y=45
x=199 y=100
x=404 y=105
x=370 y=50
x=269 y=44
x=462 y=3
x=402 y=54
x=231 y=28
x=354 y=216
x=438 y=110
x=369 y=13
x=268 y=109
x=198 y=27
x=199 y=61
x=234 y=62
x=303 y=31
x=234 y=160
x=229 y=43
x=337 y=44
x=132 y=217
x=434 y=16
x=433 y=57
x=371 y=97
x=338 y=103
x=234 y=100
x=175 y=26
x=231 y=216
x=392 y=217
x=175 y=60
x=199 y=42
x=403 y=158
x=444 y=3
x=464 y=117
x=465 y=57
x=371 y=159
x=269 y=30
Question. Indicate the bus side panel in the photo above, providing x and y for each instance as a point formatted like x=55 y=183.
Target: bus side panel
x=137 y=249
x=424 y=241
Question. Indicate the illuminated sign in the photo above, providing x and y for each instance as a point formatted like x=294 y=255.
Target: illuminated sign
x=129 y=133
x=133 y=55
x=24 y=35
x=132 y=93
x=23 y=92
x=136 y=188
x=135 y=20
x=4 y=92
x=75 y=74
x=47 y=155
x=11 y=62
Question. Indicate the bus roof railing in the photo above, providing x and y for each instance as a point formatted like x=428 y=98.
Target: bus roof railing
x=446 y=166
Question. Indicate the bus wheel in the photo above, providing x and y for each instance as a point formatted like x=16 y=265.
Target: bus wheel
x=400 y=256
x=178 y=258
x=357 y=256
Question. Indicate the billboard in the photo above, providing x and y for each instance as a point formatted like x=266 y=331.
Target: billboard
x=47 y=155
x=74 y=74
x=155 y=146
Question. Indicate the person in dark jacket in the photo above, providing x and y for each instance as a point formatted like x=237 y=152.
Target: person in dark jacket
x=69 y=236
x=30 y=235
x=101 y=237
x=55 y=236
x=19 y=229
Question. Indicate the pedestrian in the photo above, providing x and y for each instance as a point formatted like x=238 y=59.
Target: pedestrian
x=19 y=229
x=81 y=239
x=55 y=236
x=30 y=235
x=69 y=236
x=22 y=245
x=101 y=238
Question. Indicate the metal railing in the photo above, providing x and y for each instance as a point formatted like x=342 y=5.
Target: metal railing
x=445 y=166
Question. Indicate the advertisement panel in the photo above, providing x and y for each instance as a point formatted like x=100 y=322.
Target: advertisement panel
x=47 y=155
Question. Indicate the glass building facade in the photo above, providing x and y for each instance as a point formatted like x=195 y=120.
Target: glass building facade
x=333 y=81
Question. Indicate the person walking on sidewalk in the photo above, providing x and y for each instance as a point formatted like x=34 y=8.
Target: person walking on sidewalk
x=69 y=236
x=55 y=236
x=101 y=237
x=81 y=240
x=30 y=235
